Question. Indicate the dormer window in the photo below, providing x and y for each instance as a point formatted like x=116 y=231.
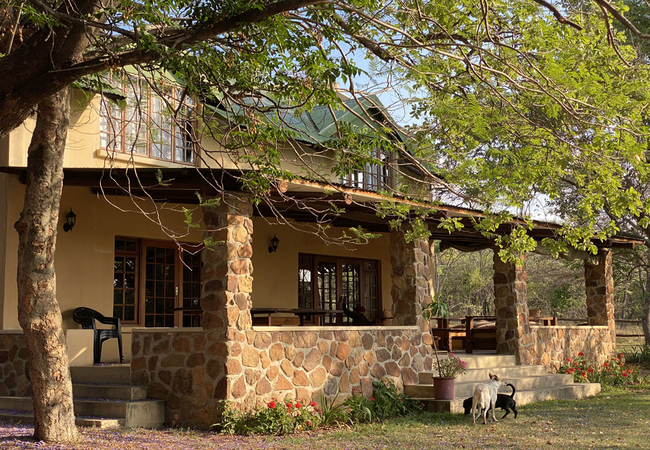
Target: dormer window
x=157 y=125
x=373 y=177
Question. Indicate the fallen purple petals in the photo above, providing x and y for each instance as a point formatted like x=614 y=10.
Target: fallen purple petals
x=19 y=436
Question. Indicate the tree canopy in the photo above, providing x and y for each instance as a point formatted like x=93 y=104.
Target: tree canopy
x=511 y=100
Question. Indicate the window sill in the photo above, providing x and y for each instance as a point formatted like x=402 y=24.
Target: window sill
x=114 y=158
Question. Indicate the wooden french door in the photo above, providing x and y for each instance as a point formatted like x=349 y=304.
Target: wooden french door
x=357 y=281
x=171 y=290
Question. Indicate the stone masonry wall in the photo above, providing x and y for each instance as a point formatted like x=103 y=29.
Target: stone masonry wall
x=14 y=379
x=554 y=344
x=173 y=365
x=273 y=364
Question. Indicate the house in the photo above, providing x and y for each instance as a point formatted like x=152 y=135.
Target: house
x=132 y=175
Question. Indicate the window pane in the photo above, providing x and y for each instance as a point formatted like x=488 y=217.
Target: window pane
x=117 y=312
x=129 y=280
x=129 y=313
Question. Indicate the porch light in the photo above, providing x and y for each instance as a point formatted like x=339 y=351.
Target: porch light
x=70 y=220
x=274 y=244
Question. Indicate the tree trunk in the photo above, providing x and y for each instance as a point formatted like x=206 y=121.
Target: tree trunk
x=645 y=323
x=38 y=311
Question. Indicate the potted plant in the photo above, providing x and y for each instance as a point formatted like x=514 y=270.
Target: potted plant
x=448 y=368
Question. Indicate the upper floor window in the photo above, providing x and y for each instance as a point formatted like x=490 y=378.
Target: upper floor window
x=156 y=125
x=373 y=177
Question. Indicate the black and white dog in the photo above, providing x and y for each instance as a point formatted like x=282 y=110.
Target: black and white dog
x=504 y=401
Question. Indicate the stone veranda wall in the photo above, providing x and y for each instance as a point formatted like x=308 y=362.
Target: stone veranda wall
x=554 y=344
x=272 y=363
x=14 y=379
x=172 y=363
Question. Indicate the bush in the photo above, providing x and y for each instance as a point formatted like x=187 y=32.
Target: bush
x=277 y=418
x=283 y=417
x=385 y=403
x=612 y=373
x=639 y=354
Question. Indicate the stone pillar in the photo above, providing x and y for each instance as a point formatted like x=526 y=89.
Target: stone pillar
x=226 y=285
x=411 y=278
x=599 y=283
x=510 y=299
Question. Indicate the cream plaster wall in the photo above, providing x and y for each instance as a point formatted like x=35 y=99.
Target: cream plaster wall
x=84 y=256
x=275 y=276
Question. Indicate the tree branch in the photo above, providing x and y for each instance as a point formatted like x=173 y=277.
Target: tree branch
x=558 y=15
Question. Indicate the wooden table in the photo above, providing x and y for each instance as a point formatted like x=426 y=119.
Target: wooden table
x=302 y=313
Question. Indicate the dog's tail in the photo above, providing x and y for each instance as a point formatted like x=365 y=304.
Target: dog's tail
x=514 y=390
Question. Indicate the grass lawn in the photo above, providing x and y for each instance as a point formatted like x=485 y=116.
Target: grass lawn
x=617 y=418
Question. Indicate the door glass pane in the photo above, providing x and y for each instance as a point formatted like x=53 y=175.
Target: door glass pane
x=124 y=278
x=160 y=288
x=327 y=276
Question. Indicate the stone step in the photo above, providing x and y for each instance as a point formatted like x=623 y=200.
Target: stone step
x=141 y=413
x=109 y=374
x=28 y=417
x=480 y=375
x=569 y=392
x=486 y=361
x=109 y=391
x=464 y=388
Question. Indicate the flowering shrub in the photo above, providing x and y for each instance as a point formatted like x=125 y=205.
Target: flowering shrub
x=451 y=366
x=277 y=417
x=287 y=416
x=612 y=373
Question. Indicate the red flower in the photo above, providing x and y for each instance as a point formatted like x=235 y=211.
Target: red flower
x=372 y=399
x=624 y=374
x=308 y=423
x=581 y=354
x=272 y=405
x=590 y=370
x=297 y=405
x=312 y=404
x=289 y=406
x=583 y=373
x=569 y=359
x=606 y=364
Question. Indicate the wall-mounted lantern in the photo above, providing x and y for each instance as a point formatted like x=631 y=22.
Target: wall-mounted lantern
x=275 y=242
x=70 y=220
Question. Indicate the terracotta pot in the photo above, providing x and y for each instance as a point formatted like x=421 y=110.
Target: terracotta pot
x=444 y=388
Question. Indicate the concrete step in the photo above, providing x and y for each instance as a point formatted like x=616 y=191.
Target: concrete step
x=109 y=391
x=109 y=374
x=486 y=361
x=28 y=417
x=573 y=391
x=464 y=388
x=141 y=413
x=481 y=375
